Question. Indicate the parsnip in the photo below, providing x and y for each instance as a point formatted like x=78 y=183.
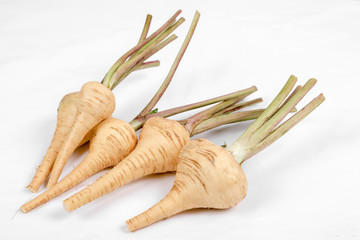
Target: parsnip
x=209 y=176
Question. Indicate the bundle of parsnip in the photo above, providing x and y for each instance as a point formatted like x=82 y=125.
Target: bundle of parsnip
x=207 y=176
x=80 y=112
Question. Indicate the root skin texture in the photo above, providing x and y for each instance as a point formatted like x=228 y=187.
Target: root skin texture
x=159 y=144
x=113 y=140
x=207 y=177
x=66 y=113
x=96 y=103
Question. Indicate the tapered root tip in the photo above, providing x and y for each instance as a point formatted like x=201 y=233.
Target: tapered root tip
x=23 y=209
x=31 y=189
x=131 y=227
x=143 y=220
x=67 y=207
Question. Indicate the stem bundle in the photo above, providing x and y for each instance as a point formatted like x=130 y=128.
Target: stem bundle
x=264 y=130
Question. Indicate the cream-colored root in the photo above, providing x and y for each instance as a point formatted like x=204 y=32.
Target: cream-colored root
x=170 y=205
x=96 y=103
x=159 y=144
x=207 y=176
x=113 y=141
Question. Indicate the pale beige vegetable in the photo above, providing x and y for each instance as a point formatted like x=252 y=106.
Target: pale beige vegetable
x=132 y=60
x=209 y=176
x=114 y=140
x=66 y=113
x=96 y=103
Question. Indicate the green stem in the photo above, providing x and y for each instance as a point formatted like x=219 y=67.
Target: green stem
x=237 y=107
x=138 y=122
x=270 y=124
x=297 y=89
x=131 y=62
x=253 y=140
x=122 y=59
x=219 y=120
x=148 y=55
x=146 y=46
x=148 y=64
x=285 y=127
x=146 y=28
x=140 y=119
x=185 y=108
x=194 y=120
x=269 y=111
x=144 y=34
x=229 y=116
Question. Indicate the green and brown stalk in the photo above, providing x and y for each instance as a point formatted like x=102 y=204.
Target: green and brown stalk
x=142 y=51
x=264 y=130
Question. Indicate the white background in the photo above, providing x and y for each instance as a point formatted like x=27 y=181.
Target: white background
x=304 y=186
